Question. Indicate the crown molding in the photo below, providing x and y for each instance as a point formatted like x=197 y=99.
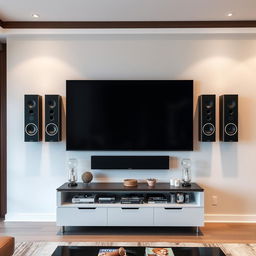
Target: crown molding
x=125 y=24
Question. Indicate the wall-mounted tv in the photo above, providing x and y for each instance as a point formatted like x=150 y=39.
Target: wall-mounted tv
x=129 y=115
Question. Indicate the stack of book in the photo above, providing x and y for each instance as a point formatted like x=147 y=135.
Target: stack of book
x=132 y=200
x=157 y=200
x=106 y=200
x=83 y=199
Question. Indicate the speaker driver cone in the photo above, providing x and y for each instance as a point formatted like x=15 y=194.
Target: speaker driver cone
x=31 y=104
x=52 y=103
x=31 y=129
x=51 y=129
x=231 y=104
x=209 y=104
x=208 y=129
x=230 y=129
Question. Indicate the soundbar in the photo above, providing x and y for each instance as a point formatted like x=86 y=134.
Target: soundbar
x=130 y=162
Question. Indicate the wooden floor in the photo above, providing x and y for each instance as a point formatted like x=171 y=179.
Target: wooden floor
x=211 y=233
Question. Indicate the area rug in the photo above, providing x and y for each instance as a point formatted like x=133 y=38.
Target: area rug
x=47 y=248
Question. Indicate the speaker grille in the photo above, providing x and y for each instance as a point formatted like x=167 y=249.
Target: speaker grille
x=52 y=118
x=229 y=118
x=207 y=127
x=32 y=118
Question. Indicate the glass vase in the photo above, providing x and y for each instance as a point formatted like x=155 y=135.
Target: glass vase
x=72 y=172
x=186 y=172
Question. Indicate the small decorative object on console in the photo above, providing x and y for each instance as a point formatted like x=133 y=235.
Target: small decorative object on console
x=188 y=198
x=72 y=175
x=176 y=182
x=87 y=177
x=130 y=182
x=172 y=198
x=180 y=198
x=186 y=172
x=172 y=182
x=151 y=182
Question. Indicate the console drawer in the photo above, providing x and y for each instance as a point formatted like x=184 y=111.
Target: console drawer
x=87 y=216
x=166 y=216
x=129 y=216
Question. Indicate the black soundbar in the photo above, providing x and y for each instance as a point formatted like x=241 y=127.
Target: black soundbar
x=130 y=162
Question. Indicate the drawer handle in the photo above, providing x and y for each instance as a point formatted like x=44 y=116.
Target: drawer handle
x=173 y=208
x=86 y=208
x=130 y=208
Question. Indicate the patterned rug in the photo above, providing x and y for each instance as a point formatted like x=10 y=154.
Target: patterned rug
x=47 y=248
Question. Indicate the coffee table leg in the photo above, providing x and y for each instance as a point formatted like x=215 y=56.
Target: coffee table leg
x=197 y=230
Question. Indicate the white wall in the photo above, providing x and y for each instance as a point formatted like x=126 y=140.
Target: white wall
x=217 y=63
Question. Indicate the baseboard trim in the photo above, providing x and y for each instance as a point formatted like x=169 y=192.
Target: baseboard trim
x=230 y=218
x=33 y=217
x=209 y=218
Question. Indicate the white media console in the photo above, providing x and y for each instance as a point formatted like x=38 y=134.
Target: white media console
x=190 y=213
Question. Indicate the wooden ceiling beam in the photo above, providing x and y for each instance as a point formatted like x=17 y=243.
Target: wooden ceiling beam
x=126 y=24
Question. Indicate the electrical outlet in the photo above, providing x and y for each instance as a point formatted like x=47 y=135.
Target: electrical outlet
x=214 y=200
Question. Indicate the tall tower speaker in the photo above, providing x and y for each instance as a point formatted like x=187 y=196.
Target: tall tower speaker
x=52 y=118
x=33 y=118
x=229 y=117
x=207 y=119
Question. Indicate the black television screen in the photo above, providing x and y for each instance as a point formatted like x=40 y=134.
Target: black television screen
x=130 y=115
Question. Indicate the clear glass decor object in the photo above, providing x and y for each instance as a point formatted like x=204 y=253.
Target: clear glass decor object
x=72 y=172
x=186 y=172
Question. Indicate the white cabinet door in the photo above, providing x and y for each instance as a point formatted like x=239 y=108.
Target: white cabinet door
x=178 y=216
x=129 y=216
x=67 y=216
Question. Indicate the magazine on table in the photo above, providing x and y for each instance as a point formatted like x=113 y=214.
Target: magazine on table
x=112 y=252
x=159 y=252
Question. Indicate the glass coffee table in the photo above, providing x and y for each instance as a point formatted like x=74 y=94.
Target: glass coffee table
x=136 y=251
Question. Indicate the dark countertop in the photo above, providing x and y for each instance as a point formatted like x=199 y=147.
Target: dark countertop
x=115 y=187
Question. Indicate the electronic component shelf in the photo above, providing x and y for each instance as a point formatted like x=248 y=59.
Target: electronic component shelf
x=168 y=214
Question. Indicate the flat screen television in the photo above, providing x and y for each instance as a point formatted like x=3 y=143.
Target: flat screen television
x=129 y=115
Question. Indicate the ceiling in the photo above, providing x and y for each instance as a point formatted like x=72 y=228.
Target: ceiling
x=127 y=10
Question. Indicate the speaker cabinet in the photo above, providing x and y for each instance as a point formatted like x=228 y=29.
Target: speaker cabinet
x=207 y=119
x=130 y=162
x=52 y=118
x=229 y=118
x=33 y=118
